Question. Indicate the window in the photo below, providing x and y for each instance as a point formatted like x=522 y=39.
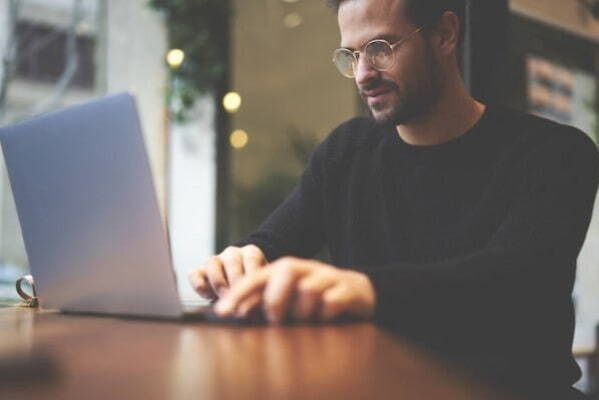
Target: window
x=41 y=55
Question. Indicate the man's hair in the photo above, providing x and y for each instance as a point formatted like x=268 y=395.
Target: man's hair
x=424 y=13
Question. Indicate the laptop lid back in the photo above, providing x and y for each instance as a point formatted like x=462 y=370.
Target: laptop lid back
x=90 y=219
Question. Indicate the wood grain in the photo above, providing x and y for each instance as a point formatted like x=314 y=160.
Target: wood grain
x=83 y=357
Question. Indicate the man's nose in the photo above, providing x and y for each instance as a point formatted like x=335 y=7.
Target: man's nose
x=364 y=72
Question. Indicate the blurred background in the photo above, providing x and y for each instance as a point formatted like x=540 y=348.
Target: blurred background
x=234 y=94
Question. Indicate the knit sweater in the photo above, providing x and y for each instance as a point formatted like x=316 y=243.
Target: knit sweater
x=471 y=245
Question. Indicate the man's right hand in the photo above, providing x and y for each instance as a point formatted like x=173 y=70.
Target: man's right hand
x=220 y=272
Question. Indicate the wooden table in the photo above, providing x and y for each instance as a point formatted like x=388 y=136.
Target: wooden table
x=52 y=356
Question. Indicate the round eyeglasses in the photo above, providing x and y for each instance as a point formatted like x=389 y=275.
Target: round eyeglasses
x=379 y=54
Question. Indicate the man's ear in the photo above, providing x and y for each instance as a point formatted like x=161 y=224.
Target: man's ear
x=447 y=32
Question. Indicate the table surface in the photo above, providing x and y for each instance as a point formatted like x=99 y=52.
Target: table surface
x=46 y=355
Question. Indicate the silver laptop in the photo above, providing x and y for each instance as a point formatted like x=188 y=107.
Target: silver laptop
x=89 y=214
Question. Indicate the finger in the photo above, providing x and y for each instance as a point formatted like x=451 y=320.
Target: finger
x=246 y=286
x=232 y=264
x=248 y=305
x=216 y=275
x=199 y=282
x=253 y=258
x=279 y=289
x=335 y=302
x=309 y=293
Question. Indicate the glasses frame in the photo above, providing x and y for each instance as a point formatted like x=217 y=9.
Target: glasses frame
x=356 y=53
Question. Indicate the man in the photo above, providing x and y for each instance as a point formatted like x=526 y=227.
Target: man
x=456 y=223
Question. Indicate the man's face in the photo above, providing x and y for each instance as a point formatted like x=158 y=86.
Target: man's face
x=407 y=90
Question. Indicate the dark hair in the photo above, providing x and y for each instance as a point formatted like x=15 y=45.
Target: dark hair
x=424 y=12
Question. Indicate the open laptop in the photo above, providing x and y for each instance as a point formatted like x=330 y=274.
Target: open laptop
x=89 y=215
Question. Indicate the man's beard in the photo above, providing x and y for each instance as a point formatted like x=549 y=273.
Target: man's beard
x=415 y=101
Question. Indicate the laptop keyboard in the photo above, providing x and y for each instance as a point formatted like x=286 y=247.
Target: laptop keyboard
x=190 y=305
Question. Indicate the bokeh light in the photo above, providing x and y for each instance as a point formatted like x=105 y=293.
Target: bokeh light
x=238 y=138
x=232 y=102
x=292 y=20
x=175 y=58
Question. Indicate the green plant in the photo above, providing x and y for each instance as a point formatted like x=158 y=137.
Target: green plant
x=201 y=29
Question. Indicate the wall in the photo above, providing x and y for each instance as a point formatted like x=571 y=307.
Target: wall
x=286 y=79
x=566 y=14
x=134 y=62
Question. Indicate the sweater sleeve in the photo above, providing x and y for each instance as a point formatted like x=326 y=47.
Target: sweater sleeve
x=528 y=263
x=295 y=227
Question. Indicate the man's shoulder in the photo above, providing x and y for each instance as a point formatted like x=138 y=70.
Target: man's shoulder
x=537 y=133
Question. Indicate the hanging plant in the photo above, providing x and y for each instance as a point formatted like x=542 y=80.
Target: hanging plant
x=200 y=28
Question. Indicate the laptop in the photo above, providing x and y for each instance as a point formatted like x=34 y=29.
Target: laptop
x=89 y=215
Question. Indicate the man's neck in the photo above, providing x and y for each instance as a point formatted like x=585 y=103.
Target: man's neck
x=450 y=117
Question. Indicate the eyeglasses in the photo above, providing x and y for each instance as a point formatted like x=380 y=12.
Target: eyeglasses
x=379 y=54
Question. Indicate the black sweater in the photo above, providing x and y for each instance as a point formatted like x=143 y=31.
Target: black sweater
x=471 y=244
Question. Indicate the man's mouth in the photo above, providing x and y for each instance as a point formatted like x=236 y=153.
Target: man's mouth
x=376 y=96
x=377 y=93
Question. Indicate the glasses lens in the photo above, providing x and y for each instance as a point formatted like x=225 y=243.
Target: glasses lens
x=380 y=54
x=345 y=62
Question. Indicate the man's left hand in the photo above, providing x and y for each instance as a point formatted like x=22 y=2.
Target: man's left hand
x=301 y=289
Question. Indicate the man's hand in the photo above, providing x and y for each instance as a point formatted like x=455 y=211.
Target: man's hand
x=301 y=289
x=220 y=272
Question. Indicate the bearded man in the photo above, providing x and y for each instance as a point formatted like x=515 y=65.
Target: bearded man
x=454 y=222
